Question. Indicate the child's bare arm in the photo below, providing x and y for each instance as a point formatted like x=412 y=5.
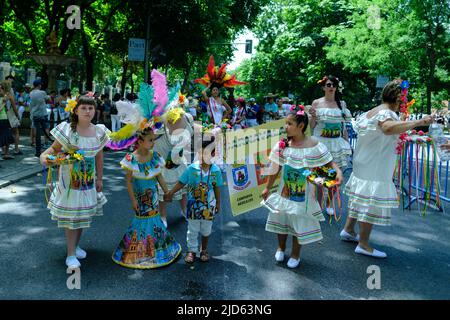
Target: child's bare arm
x=99 y=165
x=177 y=187
x=276 y=171
x=162 y=183
x=129 y=181
x=217 y=195
x=53 y=149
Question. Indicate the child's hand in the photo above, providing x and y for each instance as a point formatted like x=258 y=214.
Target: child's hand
x=339 y=178
x=135 y=205
x=168 y=197
x=44 y=160
x=265 y=194
x=99 y=185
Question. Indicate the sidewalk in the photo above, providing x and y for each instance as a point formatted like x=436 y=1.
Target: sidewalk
x=22 y=166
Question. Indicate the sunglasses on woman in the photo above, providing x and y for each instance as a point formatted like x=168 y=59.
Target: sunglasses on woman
x=330 y=85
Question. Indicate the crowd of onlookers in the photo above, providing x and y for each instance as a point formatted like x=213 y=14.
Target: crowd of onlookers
x=32 y=107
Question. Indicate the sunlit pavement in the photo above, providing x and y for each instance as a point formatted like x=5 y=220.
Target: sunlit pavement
x=242 y=264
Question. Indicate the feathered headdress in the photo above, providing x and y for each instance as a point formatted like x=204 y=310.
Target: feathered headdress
x=218 y=76
x=145 y=113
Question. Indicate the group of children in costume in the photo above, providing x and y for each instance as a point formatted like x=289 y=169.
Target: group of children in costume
x=147 y=243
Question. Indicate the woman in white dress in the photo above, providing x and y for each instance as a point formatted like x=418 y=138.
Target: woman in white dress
x=370 y=189
x=328 y=117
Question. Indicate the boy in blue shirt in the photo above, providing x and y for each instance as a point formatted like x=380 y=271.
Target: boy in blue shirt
x=204 y=181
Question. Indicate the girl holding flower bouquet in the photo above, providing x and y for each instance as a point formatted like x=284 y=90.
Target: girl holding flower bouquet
x=78 y=195
x=293 y=210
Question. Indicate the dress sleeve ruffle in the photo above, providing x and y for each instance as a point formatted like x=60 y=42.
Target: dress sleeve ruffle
x=365 y=125
x=129 y=163
x=147 y=170
x=298 y=158
x=102 y=135
x=62 y=133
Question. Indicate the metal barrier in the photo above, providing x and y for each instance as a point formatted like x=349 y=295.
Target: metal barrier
x=419 y=188
x=421 y=173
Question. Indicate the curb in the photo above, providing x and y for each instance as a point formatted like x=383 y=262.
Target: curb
x=20 y=176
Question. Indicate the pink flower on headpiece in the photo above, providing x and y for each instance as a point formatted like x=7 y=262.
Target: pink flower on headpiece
x=293 y=107
x=300 y=113
x=90 y=94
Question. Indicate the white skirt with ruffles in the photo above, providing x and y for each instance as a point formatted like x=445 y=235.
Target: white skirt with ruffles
x=371 y=201
x=339 y=148
x=300 y=219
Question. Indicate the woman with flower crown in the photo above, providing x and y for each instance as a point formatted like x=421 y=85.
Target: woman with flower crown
x=293 y=209
x=328 y=117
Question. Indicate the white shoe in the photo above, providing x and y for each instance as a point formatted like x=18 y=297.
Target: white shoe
x=375 y=253
x=80 y=253
x=345 y=236
x=279 y=256
x=72 y=262
x=293 y=263
x=164 y=220
x=330 y=211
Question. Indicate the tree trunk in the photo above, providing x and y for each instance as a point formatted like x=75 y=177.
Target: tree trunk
x=123 y=82
x=89 y=60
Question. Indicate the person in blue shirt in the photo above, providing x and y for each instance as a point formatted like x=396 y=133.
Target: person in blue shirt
x=252 y=113
x=271 y=108
x=204 y=181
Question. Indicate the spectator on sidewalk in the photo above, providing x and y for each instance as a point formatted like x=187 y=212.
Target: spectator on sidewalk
x=6 y=138
x=115 y=118
x=52 y=111
x=13 y=118
x=61 y=104
x=270 y=108
x=252 y=112
x=38 y=114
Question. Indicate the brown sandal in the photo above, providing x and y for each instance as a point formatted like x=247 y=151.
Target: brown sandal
x=204 y=256
x=190 y=257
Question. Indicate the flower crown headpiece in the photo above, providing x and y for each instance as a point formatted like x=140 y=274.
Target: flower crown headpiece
x=405 y=105
x=299 y=110
x=72 y=103
x=340 y=87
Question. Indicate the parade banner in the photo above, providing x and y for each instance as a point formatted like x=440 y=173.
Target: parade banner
x=247 y=152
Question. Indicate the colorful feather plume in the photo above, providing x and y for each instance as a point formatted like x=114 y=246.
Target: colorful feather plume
x=146 y=100
x=123 y=138
x=218 y=75
x=160 y=98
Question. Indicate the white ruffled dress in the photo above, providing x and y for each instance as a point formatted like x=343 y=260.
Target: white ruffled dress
x=75 y=200
x=172 y=149
x=370 y=189
x=329 y=131
x=293 y=209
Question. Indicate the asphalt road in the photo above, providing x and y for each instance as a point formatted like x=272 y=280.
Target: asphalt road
x=242 y=265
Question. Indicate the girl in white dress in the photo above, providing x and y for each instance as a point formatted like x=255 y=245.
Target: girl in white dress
x=293 y=208
x=78 y=196
x=370 y=189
